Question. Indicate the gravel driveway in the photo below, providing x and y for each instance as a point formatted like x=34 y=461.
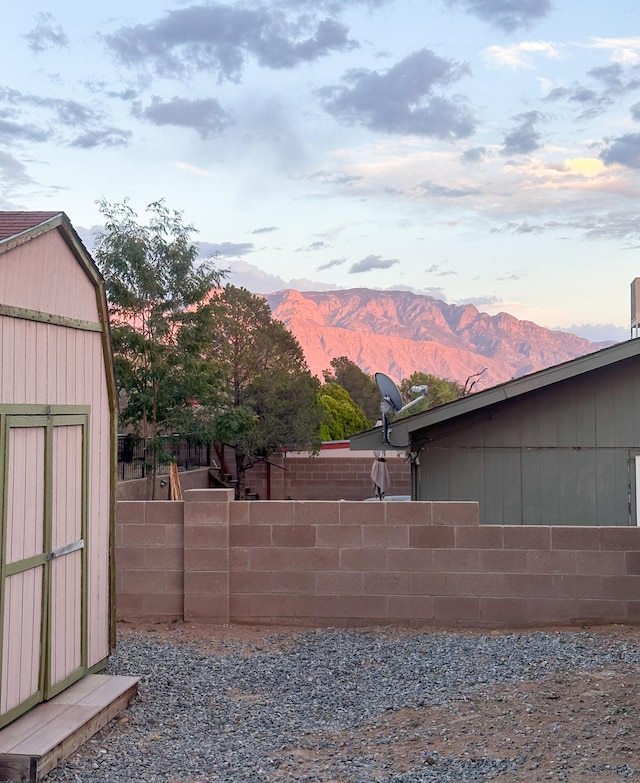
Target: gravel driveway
x=258 y=704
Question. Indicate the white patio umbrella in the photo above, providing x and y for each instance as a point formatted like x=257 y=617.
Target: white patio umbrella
x=380 y=476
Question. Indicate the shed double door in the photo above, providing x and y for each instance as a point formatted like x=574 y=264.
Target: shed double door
x=43 y=558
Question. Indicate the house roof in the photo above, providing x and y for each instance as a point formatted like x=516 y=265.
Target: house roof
x=404 y=428
x=13 y=223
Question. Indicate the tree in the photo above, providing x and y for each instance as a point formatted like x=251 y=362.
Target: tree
x=158 y=309
x=270 y=397
x=440 y=391
x=361 y=387
x=342 y=417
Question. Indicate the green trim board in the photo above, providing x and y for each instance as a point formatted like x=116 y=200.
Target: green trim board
x=48 y=418
x=25 y=314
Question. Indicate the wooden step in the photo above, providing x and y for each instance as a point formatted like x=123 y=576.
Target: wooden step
x=34 y=744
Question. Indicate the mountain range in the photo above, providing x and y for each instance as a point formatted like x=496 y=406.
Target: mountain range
x=398 y=333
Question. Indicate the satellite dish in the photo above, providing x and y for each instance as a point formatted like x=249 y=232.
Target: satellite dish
x=388 y=390
x=392 y=401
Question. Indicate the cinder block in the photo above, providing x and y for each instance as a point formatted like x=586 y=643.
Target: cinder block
x=363 y=559
x=144 y=535
x=165 y=558
x=271 y=512
x=206 y=560
x=414 y=513
x=212 y=583
x=206 y=537
x=409 y=559
x=197 y=513
x=459 y=610
x=208 y=496
x=480 y=537
x=362 y=513
x=500 y=561
x=625 y=539
x=130 y=512
x=164 y=512
x=412 y=609
x=432 y=537
x=316 y=512
x=455 y=513
x=250 y=535
x=385 y=536
x=249 y=582
x=339 y=583
x=301 y=582
x=385 y=583
x=526 y=537
x=599 y=562
x=338 y=535
x=577 y=538
x=553 y=562
x=293 y=535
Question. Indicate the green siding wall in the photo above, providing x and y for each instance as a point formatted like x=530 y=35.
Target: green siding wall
x=562 y=455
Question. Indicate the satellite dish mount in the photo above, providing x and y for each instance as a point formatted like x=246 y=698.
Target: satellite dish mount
x=392 y=403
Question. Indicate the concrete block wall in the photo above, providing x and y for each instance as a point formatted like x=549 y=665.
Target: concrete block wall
x=351 y=563
x=324 y=477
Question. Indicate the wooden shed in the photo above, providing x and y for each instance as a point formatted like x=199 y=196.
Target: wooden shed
x=557 y=447
x=57 y=436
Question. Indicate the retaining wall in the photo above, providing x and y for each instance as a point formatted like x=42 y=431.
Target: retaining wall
x=309 y=563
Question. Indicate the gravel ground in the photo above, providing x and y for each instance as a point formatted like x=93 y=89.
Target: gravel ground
x=367 y=705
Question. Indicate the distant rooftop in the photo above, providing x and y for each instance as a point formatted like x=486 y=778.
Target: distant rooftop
x=12 y=223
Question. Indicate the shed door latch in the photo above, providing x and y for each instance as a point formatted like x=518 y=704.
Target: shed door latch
x=66 y=549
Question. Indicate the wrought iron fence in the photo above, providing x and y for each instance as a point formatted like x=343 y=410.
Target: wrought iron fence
x=132 y=463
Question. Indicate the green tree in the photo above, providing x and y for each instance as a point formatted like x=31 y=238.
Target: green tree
x=157 y=304
x=361 y=387
x=270 y=397
x=440 y=391
x=342 y=417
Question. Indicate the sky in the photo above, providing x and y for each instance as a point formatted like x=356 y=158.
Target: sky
x=477 y=151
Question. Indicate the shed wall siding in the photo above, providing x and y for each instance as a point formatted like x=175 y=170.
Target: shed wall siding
x=43 y=275
x=45 y=364
x=562 y=455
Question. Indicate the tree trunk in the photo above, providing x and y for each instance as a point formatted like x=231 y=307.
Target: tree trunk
x=241 y=490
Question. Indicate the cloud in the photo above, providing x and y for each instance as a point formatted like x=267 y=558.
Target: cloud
x=12 y=170
x=249 y=276
x=67 y=111
x=313 y=247
x=205 y=116
x=104 y=137
x=635 y=112
x=519 y=55
x=218 y=38
x=597 y=333
x=474 y=155
x=372 y=262
x=624 y=50
x=438 y=271
x=11 y=132
x=506 y=15
x=47 y=34
x=524 y=138
x=264 y=230
x=624 y=150
x=224 y=249
x=402 y=99
x=331 y=264
x=613 y=82
x=441 y=191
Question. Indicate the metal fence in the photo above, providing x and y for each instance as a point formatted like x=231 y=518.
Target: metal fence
x=131 y=457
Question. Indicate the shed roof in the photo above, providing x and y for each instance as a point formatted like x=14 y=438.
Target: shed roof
x=404 y=428
x=12 y=223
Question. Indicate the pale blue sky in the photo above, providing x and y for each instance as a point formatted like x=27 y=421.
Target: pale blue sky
x=482 y=151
